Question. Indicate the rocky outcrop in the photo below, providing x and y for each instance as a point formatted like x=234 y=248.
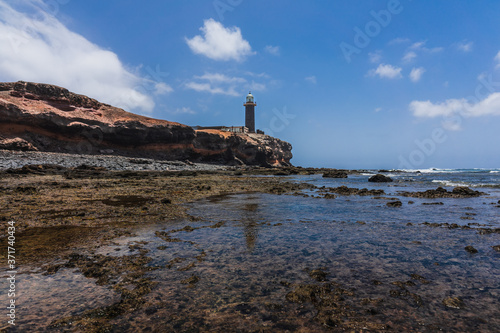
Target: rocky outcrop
x=335 y=174
x=236 y=148
x=378 y=178
x=457 y=192
x=43 y=117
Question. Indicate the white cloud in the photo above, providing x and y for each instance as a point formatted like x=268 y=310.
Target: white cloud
x=311 y=79
x=375 y=57
x=220 y=43
x=420 y=46
x=255 y=86
x=409 y=56
x=207 y=87
x=399 y=40
x=259 y=75
x=274 y=50
x=464 y=46
x=217 y=77
x=416 y=74
x=221 y=84
x=451 y=125
x=183 y=110
x=417 y=45
x=497 y=59
x=162 y=88
x=378 y=109
x=386 y=71
x=37 y=47
x=486 y=107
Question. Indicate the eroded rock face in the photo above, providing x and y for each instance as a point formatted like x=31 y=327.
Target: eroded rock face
x=236 y=148
x=45 y=117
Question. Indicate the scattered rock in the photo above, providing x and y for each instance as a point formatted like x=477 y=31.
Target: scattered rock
x=335 y=174
x=344 y=190
x=470 y=249
x=496 y=248
x=457 y=192
x=192 y=280
x=394 y=204
x=453 y=302
x=378 y=178
x=318 y=274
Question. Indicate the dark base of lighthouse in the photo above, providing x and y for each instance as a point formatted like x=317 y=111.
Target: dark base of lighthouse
x=250 y=117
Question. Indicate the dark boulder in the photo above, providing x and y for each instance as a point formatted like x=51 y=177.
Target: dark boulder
x=378 y=178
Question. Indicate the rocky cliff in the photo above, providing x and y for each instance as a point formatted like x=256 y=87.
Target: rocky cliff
x=45 y=117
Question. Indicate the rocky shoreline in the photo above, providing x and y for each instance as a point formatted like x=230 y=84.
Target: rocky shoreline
x=68 y=207
x=17 y=159
x=48 y=118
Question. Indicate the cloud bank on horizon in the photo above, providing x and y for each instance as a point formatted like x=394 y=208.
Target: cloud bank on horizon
x=38 y=47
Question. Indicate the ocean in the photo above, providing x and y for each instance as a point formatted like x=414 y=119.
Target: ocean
x=257 y=262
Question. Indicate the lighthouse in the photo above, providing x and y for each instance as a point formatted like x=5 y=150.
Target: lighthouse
x=250 y=113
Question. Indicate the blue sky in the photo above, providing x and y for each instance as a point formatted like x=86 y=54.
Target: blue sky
x=350 y=84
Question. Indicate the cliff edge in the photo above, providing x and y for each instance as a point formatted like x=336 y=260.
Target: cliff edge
x=43 y=117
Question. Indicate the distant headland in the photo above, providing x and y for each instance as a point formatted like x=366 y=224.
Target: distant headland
x=47 y=118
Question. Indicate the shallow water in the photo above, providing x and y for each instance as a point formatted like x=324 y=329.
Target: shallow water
x=239 y=266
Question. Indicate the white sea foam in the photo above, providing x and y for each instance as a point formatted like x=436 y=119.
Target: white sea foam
x=450 y=183
x=431 y=170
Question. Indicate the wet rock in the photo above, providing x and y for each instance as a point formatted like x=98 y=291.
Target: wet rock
x=470 y=249
x=457 y=192
x=303 y=294
x=344 y=190
x=371 y=301
x=126 y=201
x=432 y=203
x=335 y=174
x=464 y=191
x=246 y=308
x=394 y=204
x=419 y=278
x=454 y=302
x=166 y=201
x=192 y=280
x=496 y=248
x=378 y=178
x=318 y=274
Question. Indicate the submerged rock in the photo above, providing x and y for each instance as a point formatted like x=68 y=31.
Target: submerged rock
x=453 y=302
x=394 y=204
x=470 y=249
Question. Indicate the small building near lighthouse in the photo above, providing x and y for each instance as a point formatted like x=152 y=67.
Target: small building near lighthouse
x=249 y=120
x=250 y=113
